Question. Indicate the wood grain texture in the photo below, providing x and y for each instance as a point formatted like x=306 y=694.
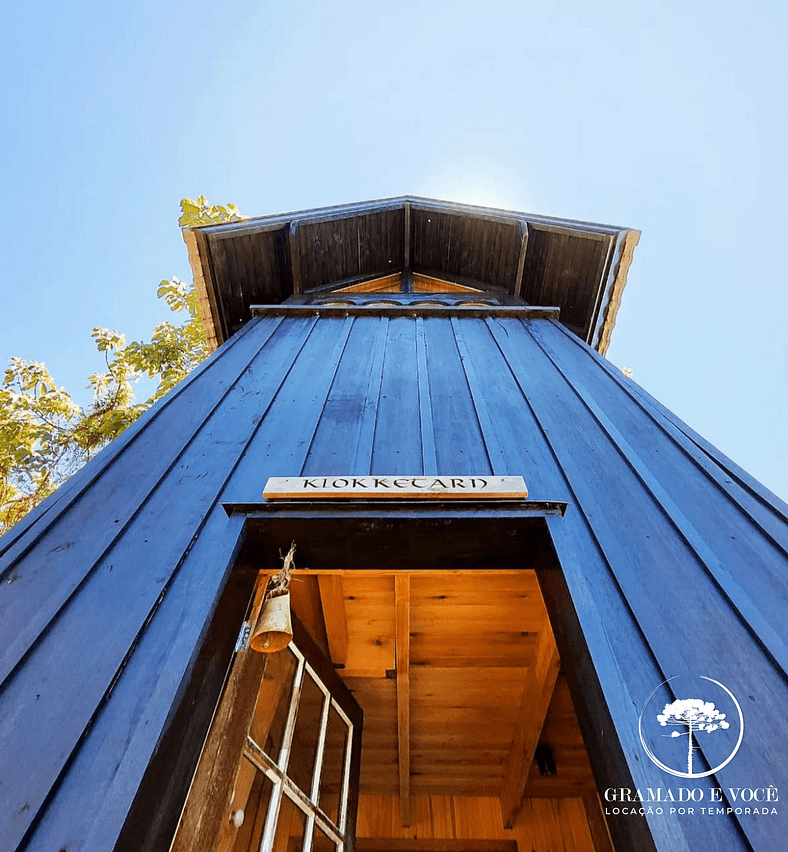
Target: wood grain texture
x=332 y=599
x=468 y=823
x=537 y=693
x=112 y=592
x=207 y=809
x=244 y=264
x=402 y=616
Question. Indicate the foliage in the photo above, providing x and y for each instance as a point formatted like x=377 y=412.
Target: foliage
x=45 y=436
x=200 y=212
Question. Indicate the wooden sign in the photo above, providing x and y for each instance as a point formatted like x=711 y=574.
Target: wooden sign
x=402 y=487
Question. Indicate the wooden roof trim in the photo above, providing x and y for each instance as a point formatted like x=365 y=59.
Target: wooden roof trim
x=378 y=284
x=305 y=217
x=346 y=284
x=602 y=291
x=500 y=217
x=517 y=287
x=408 y=310
x=346 y=211
x=600 y=325
x=590 y=233
x=473 y=284
x=434 y=285
x=199 y=260
x=620 y=273
x=513 y=215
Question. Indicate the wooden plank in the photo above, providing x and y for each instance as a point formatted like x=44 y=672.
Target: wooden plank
x=322 y=293
x=342 y=442
x=402 y=592
x=434 y=734
x=518 y=279
x=362 y=458
x=596 y=822
x=454 y=282
x=537 y=692
x=562 y=732
x=765 y=509
x=306 y=604
x=290 y=423
x=461 y=588
x=162 y=686
x=369 y=605
x=484 y=687
x=493 y=446
x=119 y=596
x=485 y=647
x=478 y=816
x=441 y=621
x=475 y=753
x=403 y=308
x=295 y=256
x=604 y=686
x=34 y=589
x=196 y=247
x=429 y=458
x=442 y=817
x=383 y=844
x=402 y=487
x=751 y=503
x=671 y=548
x=209 y=798
x=406 y=241
x=429 y=284
x=695 y=524
x=384 y=284
x=458 y=439
x=397 y=445
x=332 y=600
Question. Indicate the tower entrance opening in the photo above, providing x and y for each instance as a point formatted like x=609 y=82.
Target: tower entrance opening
x=433 y=619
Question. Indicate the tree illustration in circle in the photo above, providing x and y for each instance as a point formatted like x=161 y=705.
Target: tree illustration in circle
x=695 y=715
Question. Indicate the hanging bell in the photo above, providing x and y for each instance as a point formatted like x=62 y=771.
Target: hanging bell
x=273 y=630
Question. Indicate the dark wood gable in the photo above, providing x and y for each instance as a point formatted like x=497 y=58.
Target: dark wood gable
x=578 y=267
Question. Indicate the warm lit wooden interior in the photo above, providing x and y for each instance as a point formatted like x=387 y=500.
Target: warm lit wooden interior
x=414 y=283
x=458 y=676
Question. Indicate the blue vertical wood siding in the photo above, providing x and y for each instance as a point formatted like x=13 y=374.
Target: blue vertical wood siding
x=675 y=560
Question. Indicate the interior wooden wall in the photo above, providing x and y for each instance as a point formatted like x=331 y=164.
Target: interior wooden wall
x=543 y=825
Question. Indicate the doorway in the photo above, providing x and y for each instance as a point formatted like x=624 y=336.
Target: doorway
x=433 y=618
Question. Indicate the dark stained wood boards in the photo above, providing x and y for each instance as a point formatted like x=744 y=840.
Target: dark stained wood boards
x=111 y=594
x=578 y=266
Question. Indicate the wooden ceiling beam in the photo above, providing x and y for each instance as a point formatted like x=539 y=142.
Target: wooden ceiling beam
x=332 y=599
x=402 y=617
x=305 y=603
x=537 y=692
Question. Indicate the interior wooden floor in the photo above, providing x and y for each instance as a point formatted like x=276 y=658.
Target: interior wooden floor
x=459 y=679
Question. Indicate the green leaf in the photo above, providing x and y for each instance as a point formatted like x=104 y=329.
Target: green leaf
x=45 y=436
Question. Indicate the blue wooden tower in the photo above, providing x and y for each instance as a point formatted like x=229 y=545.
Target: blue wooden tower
x=509 y=556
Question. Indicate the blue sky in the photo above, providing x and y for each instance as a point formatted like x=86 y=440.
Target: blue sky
x=669 y=118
